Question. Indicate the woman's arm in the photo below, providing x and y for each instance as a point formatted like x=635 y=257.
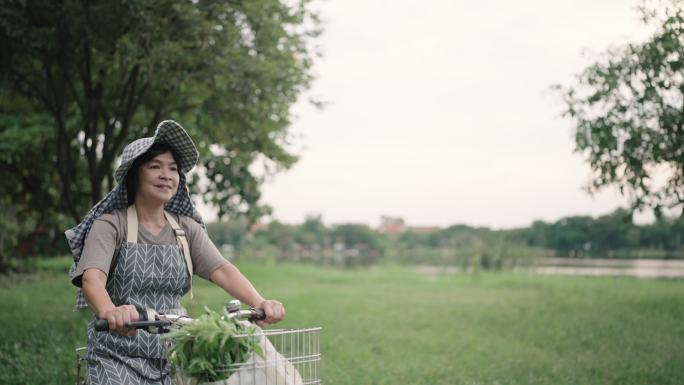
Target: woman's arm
x=237 y=285
x=95 y=293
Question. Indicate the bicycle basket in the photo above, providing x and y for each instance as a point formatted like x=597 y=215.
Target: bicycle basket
x=290 y=357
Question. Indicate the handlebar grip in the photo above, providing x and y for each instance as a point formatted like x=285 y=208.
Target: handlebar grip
x=101 y=325
x=258 y=315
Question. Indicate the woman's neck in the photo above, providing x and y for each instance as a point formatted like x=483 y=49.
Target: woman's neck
x=149 y=212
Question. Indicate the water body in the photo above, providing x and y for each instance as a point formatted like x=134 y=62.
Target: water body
x=641 y=268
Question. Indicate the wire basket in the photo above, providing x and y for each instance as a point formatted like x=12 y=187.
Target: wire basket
x=290 y=357
x=297 y=349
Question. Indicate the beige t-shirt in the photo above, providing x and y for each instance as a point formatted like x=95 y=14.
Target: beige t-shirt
x=109 y=231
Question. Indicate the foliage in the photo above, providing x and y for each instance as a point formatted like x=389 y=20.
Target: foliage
x=81 y=79
x=313 y=232
x=209 y=348
x=613 y=235
x=228 y=233
x=466 y=247
x=367 y=246
x=629 y=114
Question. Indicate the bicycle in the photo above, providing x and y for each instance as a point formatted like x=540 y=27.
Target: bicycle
x=289 y=354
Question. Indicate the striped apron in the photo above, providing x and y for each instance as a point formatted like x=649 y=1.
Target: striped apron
x=151 y=277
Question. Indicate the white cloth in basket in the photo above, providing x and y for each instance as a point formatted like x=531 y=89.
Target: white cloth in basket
x=271 y=369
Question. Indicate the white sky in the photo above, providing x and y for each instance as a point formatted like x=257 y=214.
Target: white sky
x=440 y=113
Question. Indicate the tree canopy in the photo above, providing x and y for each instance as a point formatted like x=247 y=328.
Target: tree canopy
x=628 y=108
x=80 y=80
x=613 y=235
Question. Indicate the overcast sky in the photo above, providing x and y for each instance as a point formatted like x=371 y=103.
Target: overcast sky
x=440 y=112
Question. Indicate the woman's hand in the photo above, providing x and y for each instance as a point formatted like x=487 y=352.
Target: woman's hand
x=232 y=281
x=118 y=317
x=275 y=312
x=94 y=282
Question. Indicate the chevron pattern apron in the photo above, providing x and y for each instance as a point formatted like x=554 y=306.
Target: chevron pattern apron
x=149 y=276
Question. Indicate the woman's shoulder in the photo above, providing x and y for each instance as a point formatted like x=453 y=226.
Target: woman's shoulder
x=193 y=229
x=187 y=222
x=114 y=218
x=111 y=222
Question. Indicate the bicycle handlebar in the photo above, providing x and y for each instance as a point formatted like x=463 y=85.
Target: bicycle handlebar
x=102 y=325
x=162 y=322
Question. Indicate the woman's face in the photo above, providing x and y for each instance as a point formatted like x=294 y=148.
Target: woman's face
x=158 y=178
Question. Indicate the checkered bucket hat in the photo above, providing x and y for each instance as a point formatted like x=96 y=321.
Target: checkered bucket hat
x=169 y=133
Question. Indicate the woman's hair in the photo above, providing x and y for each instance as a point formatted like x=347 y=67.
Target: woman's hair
x=131 y=179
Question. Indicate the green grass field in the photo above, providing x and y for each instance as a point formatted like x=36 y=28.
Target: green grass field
x=393 y=326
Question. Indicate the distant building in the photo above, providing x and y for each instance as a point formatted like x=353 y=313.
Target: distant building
x=391 y=225
x=395 y=225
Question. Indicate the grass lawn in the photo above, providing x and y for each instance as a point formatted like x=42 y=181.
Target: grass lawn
x=393 y=326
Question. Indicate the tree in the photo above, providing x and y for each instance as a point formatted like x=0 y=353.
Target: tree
x=629 y=113
x=280 y=235
x=611 y=232
x=82 y=79
x=361 y=238
x=571 y=235
x=228 y=233
x=312 y=233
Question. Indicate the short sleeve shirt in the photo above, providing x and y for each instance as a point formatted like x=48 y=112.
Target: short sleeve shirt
x=109 y=232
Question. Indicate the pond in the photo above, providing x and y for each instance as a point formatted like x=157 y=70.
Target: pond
x=641 y=268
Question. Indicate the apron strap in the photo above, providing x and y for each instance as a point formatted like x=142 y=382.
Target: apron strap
x=183 y=244
x=132 y=229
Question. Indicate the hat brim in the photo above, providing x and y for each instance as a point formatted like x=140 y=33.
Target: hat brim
x=168 y=132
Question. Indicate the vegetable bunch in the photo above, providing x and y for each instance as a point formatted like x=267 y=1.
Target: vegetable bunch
x=209 y=348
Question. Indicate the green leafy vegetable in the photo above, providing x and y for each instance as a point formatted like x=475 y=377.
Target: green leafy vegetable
x=210 y=348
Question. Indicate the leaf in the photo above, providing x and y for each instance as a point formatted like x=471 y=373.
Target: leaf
x=207 y=348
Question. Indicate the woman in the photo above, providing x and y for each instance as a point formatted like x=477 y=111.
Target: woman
x=138 y=248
